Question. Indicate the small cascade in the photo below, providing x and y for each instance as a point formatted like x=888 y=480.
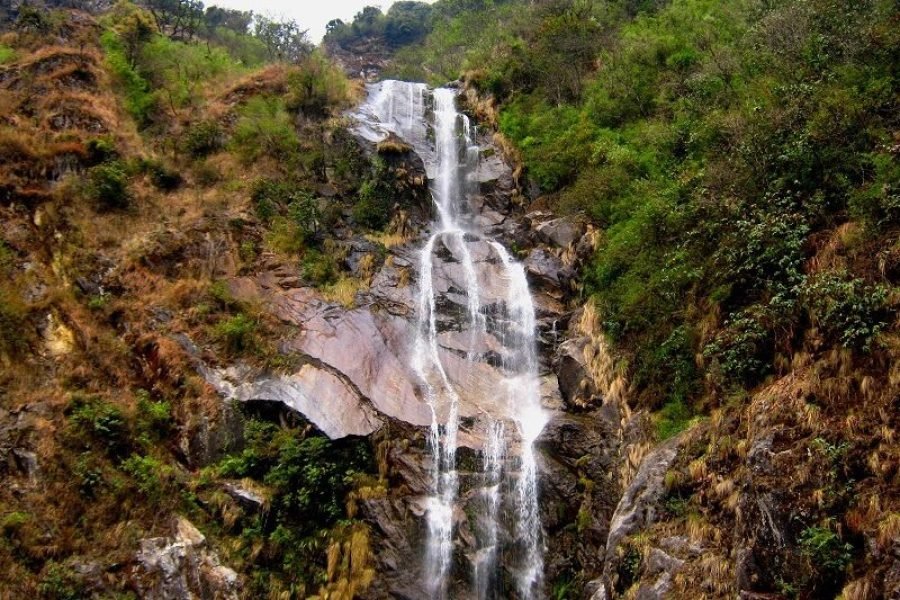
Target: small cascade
x=497 y=324
x=486 y=559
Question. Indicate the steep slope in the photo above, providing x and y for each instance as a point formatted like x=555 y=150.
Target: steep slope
x=739 y=161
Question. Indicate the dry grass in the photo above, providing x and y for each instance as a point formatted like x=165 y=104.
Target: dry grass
x=344 y=291
x=392 y=145
x=388 y=240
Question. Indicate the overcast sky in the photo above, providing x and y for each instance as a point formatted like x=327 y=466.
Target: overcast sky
x=309 y=14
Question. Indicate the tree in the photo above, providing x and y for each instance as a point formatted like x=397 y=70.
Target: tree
x=284 y=40
x=334 y=26
x=368 y=22
x=238 y=21
x=179 y=19
x=135 y=27
x=407 y=22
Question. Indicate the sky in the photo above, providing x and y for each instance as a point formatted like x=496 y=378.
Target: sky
x=309 y=14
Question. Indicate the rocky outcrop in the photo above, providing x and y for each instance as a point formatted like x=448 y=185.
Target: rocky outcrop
x=183 y=567
x=637 y=509
x=355 y=376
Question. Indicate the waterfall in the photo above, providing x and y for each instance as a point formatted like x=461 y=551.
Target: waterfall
x=508 y=538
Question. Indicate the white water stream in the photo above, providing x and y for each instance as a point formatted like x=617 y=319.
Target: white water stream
x=509 y=540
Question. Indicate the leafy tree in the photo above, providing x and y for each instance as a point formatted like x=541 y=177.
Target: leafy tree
x=407 y=22
x=284 y=40
x=238 y=21
x=179 y=19
x=134 y=27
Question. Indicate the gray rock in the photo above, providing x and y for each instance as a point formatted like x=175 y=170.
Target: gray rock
x=27 y=463
x=247 y=499
x=658 y=562
x=639 y=505
x=327 y=401
x=183 y=567
x=547 y=270
x=562 y=232
x=575 y=382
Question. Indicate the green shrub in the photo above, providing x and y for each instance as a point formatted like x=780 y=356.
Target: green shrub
x=88 y=473
x=101 y=150
x=825 y=550
x=59 y=582
x=14 y=521
x=203 y=138
x=177 y=69
x=34 y=19
x=98 y=421
x=237 y=333
x=376 y=197
x=107 y=186
x=154 y=419
x=846 y=309
x=672 y=419
x=151 y=477
x=878 y=202
x=140 y=102
x=286 y=236
x=264 y=128
x=319 y=268
x=303 y=210
x=741 y=350
x=316 y=87
x=7 y=54
x=267 y=196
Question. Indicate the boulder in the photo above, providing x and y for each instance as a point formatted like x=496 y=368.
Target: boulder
x=548 y=271
x=183 y=567
x=562 y=232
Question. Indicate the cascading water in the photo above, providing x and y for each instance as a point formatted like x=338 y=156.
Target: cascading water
x=509 y=532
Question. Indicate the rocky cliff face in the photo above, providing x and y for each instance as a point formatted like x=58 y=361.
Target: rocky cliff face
x=355 y=377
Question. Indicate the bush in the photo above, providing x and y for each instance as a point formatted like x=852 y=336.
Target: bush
x=316 y=87
x=847 y=310
x=319 y=268
x=373 y=204
x=203 y=138
x=268 y=196
x=7 y=54
x=237 y=333
x=60 y=583
x=151 y=477
x=89 y=473
x=107 y=186
x=101 y=150
x=154 y=419
x=162 y=177
x=742 y=349
x=824 y=548
x=140 y=102
x=286 y=236
x=672 y=419
x=264 y=128
x=97 y=421
x=34 y=19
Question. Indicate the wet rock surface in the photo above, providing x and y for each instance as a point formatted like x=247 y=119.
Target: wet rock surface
x=356 y=378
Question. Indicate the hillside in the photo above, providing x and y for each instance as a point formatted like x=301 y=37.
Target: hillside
x=740 y=160
x=141 y=172
x=213 y=308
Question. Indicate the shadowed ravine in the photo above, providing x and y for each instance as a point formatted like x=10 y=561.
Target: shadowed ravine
x=499 y=329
